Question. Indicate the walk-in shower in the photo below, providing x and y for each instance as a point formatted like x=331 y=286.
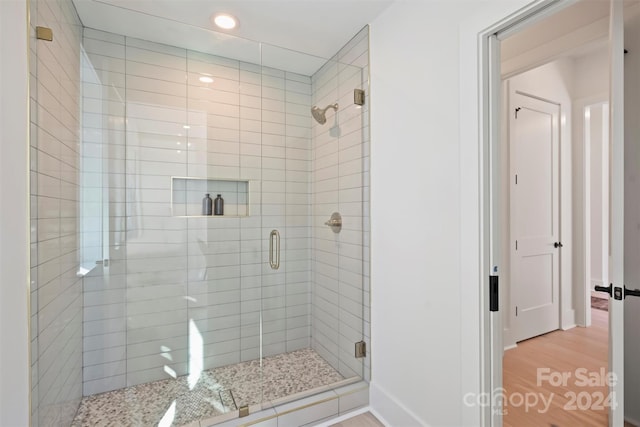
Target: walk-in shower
x=320 y=114
x=147 y=310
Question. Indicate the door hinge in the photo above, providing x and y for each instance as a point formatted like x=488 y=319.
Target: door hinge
x=494 y=303
x=361 y=349
x=517 y=109
x=44 y=33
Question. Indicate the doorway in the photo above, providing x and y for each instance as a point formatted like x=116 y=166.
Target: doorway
x=624 y=105
x=538 y=74
x=545 y=147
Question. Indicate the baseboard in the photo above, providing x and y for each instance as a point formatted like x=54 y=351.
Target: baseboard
x=510 y=346
x=568 y=320
x=389 y=410
x=632 y=421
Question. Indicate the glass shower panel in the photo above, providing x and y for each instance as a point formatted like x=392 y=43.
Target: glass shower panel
x=103 y=213
x=55 y=158
x=338 y=187
x=224 y=249
x=314 y=303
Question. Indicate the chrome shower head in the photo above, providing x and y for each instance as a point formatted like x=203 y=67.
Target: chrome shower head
x=319 y=114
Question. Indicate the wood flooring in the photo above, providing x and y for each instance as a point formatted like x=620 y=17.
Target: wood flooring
x=533 y=371
x=366 y=419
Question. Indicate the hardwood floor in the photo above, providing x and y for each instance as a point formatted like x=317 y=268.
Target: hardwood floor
x=533 y=371
x=363 y=420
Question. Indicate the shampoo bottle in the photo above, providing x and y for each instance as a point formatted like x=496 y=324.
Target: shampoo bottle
x=218 y=205
x=207 y=205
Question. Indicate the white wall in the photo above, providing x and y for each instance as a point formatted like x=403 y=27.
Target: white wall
x=424 y=201
x=591 y=76
x=14 y=214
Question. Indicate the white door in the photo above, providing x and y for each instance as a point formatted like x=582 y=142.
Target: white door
x=534 y=144
x=620 y=77
x=632 y=213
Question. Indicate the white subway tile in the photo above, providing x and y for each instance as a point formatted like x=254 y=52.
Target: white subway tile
x=175 y=59
x=104 y=48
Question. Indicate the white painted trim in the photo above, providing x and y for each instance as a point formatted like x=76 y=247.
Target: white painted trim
x=616 y=267
x=14 y=215
x=533 y=10
x=583 y=314
x=389 y=409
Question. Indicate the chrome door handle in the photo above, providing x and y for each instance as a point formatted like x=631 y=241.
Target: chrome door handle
x=274 y=250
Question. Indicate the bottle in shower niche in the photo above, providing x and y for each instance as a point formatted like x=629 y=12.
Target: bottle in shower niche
x=207 y=205
x=218 y=205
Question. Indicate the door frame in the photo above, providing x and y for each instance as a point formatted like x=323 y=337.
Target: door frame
x=584 y=318
x=489 y=86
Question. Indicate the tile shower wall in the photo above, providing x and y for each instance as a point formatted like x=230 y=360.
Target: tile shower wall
x=340 y=262
x=56 y=289
x=178 y=294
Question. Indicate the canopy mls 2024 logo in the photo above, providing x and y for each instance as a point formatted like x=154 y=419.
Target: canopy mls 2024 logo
x=585 y=394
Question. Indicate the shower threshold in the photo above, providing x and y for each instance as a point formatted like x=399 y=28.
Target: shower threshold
x=216 y=392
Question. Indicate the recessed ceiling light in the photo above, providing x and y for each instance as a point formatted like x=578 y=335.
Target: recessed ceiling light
x=206 y=79
x=225 y=21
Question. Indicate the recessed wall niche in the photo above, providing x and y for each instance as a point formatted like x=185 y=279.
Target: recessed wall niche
x=187 y=194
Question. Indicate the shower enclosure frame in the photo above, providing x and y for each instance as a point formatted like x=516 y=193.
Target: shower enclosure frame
x=363 y=227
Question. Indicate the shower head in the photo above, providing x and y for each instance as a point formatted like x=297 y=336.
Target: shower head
x=319 y=114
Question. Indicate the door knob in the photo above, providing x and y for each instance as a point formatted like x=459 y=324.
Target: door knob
x=557 y=245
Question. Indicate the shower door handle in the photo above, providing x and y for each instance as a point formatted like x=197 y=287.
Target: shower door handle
x=274 y=249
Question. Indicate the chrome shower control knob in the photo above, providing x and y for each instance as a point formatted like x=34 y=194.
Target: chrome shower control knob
x=335 y=222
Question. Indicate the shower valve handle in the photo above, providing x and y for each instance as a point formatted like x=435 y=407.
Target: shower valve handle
x=335 y=222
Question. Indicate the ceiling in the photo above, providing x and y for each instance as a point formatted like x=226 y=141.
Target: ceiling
x=579 y=29
x=300 y=35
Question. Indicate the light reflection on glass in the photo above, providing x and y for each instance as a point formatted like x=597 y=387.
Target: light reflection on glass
x=169 y=416
x=171 y=372
x=195 y=354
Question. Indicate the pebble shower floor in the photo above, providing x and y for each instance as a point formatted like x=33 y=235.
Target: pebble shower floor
x=217 y=392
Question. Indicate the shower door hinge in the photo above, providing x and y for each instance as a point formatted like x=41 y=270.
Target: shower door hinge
x=361 y=349
x=243 y=411
x=358 y=96
x=44 y=33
